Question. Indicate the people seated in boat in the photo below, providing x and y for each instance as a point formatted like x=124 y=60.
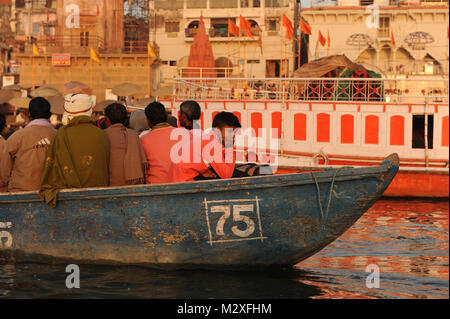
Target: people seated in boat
x=3 y=186
x=189 y=115
x=217 y=157
x=78 y=157
x=158 y=144
x=127 y=161
x=24 y=151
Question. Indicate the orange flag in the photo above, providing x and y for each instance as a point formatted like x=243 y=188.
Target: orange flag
x=305 y=27
x=285 y=22
x=322 y=39
x=329 y=39
x=233 y=28
x=246 y=26
x=392 y=38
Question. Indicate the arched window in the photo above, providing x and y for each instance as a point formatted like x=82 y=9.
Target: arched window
x=347 y=129
x=255 y=27
x=192 y=28
x=323 y=128
x=372 y=129
x=256 y=119
x=445 y=131
x=300 y=127
x=276 y=124
x=397 y=130
x=238 y=115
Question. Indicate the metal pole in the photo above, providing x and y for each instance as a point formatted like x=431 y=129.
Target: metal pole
x=90 y=74
x=426 y=133
x=297 y=15
x=32 y=72
x=149 y=77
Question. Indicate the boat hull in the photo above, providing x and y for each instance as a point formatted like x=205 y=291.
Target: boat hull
x=419 y=183
x=263 y=221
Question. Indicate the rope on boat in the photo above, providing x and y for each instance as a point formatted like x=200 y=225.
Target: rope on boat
x=325 y=215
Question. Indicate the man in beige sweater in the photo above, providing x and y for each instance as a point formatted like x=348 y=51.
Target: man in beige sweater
x=24 y=152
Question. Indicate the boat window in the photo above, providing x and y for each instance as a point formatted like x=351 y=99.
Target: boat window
x=418 y=136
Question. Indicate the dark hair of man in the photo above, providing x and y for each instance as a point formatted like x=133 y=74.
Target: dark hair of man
x=191 y=109
x=2 y=122
x=39 y=108
x=226 y=119
x=156 y=113
x=117 y=113
x=173 y=121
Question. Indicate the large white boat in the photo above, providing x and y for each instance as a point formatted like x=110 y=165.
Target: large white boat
x=338 y=121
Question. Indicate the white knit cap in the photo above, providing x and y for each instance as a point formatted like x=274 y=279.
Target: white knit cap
x=77 y=105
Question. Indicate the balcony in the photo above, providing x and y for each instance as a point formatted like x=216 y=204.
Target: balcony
x=77 y=45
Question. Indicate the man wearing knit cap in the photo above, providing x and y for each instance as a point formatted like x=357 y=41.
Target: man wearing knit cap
x=78 y=157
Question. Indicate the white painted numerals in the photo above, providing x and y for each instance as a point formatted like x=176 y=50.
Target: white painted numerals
x=237 y=217
x=234 y=220
x=6 y=239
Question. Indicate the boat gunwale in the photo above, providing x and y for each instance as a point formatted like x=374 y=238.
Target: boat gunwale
x=246 y=183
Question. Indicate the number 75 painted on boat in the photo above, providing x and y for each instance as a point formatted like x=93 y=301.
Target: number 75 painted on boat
x=241 y=227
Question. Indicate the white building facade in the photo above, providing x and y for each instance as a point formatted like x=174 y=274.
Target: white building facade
x=360 y=29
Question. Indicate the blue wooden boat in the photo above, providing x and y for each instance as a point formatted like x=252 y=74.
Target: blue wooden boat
x=258 y=221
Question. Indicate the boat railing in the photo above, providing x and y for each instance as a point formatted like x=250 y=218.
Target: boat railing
x=386 y=90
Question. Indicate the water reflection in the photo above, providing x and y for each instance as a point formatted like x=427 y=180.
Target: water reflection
x=408 y=240
x=7 y=275
x=47 y=281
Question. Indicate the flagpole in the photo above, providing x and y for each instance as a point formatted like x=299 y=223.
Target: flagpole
x=286 y=71
x=281 y=62
x=448 y=65
x=245 y=59
x=239 y=56
x=90 y=74
x=228 y=54
x=149 y=76
x=32 y=72
x=300 y=50
x=328 y=43
x=392 y=60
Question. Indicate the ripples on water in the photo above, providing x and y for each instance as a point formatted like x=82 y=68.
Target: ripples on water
x=408 y=240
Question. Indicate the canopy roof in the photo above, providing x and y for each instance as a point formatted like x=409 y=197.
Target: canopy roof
x=319 y=68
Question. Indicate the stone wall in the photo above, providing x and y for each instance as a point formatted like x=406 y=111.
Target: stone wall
x=111 y=71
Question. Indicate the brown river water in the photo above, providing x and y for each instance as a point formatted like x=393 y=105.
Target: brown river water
x=406 y=240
